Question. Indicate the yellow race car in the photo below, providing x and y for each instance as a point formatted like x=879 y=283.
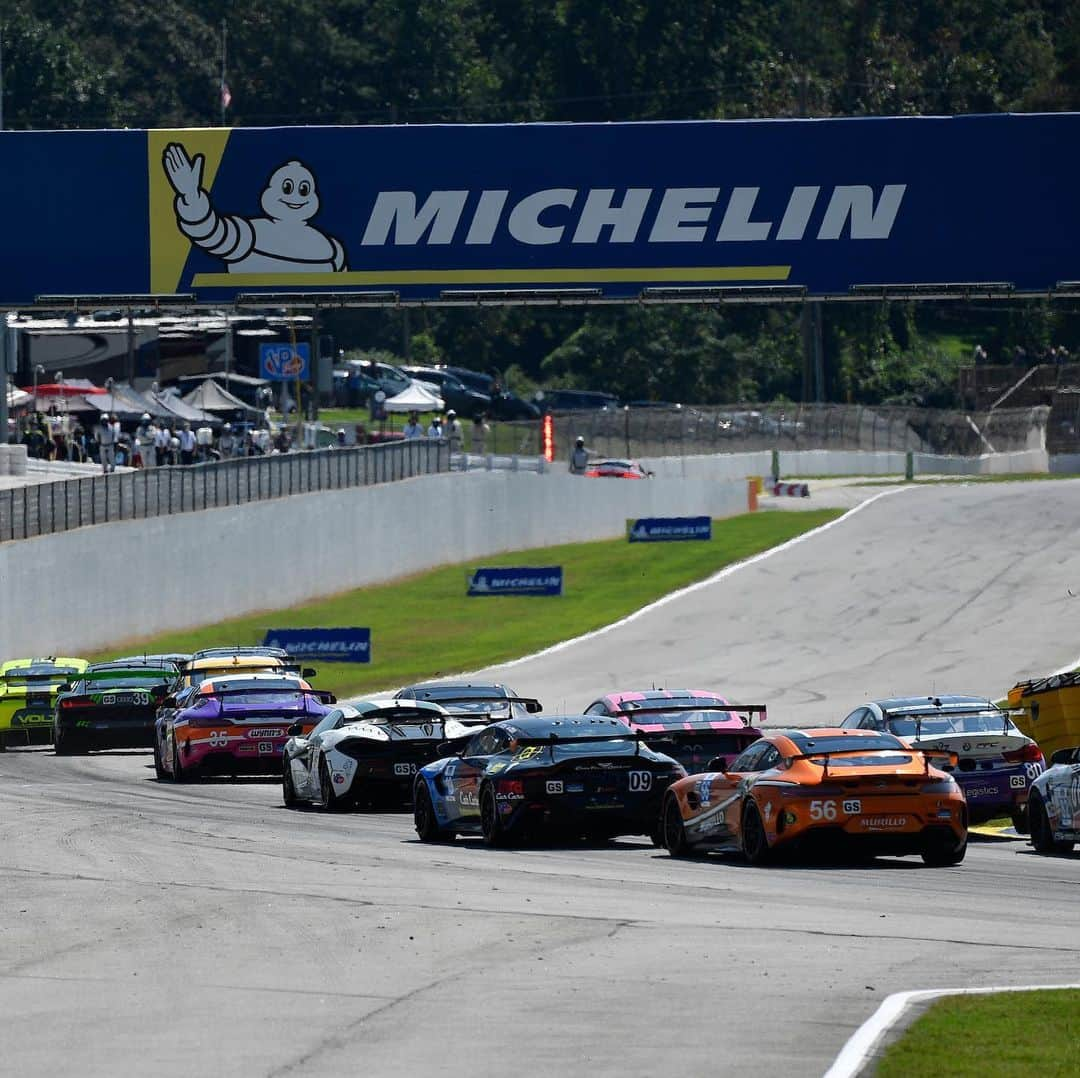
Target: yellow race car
x=28 y=691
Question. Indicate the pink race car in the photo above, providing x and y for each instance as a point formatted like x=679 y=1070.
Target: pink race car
x=700 y=729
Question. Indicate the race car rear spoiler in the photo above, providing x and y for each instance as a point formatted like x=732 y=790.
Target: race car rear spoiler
x=744 y=710
x=826 y=755
x=531 y=705
x=322 y=695
x=552 y=740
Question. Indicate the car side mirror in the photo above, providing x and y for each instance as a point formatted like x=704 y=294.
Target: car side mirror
x=533 y=707
x=446 y=748
x=66 y=687
x=159 y=692
x=1065 y=756
x=308 y=671
x=295 y=730
x=717 y=763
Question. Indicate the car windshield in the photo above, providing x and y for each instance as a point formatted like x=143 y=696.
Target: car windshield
x=281 y=700
x=678 y=716
x=937 y=724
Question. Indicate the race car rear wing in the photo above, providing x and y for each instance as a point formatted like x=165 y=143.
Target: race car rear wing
x=919 y=712
x=743 y=710
x=322 y=695
x=532 y=706
x=825 y=756
x=554 y=740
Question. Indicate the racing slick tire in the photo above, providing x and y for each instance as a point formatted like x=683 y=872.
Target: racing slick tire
x=178 y=772
x=1042 y=836
x=1020 y=819
x=330 y=801
x=491 y=827
x=425 y=821
x=159 y=768
x=288 y=787
x=673 y=831
x=65 y=745
x=941 y=850
x=755 y=843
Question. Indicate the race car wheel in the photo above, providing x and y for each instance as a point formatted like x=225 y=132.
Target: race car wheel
x=491 y=827
x=65 y=745
x=1042 y=835
x=330 y=801
x=288 y=787
x=673 y=830
x=427 y=824
x=178 y=772
x=159 y=767
x=1020 y=819
x=941 y=850
x=755 y=842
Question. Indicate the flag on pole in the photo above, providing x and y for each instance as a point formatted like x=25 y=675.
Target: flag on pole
x=226 y=95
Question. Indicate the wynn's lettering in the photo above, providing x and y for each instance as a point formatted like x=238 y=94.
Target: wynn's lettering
x=618 y=216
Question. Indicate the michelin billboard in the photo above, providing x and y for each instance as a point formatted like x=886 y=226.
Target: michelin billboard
x=437 y=212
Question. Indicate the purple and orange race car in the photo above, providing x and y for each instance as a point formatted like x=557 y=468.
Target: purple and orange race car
x=694 y=726
x=235 y=725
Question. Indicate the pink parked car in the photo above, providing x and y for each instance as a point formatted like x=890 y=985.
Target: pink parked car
x=700 y=729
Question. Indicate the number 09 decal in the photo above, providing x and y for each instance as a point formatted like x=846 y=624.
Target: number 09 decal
x=640 y=781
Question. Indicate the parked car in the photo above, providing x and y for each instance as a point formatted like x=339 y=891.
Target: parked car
x=504 y=404
x=996 y=763
x=847 y=791
x=575 y=400
x=1054 y=804
x=574 y=775
x=111 y=705
x=455 y=394
x=366 y=754
x=700 y=729
x=28 y=692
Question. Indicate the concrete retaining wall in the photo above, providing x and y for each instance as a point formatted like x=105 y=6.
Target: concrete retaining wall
x=90 y=588
x=1025 y=461
x=711 y=465
x=13 y=460
x=1065 y=464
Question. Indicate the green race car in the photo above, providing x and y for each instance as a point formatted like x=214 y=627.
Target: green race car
x=28 y=692
x=112 y=705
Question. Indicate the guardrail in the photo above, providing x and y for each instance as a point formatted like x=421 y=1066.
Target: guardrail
x=46 y=508
x=498 y=462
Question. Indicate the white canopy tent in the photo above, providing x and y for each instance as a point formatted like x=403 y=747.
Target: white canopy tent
x=416 y=398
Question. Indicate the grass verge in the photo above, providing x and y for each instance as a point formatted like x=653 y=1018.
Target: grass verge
x=425 y=626
x=1009 y=1035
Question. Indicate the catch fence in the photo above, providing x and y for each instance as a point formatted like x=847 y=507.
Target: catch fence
x=45 y=508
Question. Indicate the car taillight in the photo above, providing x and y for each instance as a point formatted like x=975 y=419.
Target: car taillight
x=514 y=787
x=76 y=701
x=1026 y=754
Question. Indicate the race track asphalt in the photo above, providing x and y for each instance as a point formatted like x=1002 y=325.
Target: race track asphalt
x=147 y=928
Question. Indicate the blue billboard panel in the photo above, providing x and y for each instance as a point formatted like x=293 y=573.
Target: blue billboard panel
x=544 y=580
x=285 y=362
x=445 y=213
x=329 y=645
x=668 y=529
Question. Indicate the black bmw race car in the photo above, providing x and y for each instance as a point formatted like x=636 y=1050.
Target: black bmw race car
x=574 y=775
x=472 y=702
x=112 y=706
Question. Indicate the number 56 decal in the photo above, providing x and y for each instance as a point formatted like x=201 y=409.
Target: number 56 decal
x=822 y=810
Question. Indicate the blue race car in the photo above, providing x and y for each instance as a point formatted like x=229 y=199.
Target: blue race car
x=575 y=775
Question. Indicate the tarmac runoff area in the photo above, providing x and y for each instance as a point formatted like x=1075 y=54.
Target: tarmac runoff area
x=175 y=930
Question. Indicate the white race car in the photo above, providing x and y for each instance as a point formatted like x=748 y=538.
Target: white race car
x=1054 y=804
x=366 y=754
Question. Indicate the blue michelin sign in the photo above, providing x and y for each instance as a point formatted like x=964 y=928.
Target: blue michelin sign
x=668 y=529
x=545 y=580
x=285 y=362
x=329 y=645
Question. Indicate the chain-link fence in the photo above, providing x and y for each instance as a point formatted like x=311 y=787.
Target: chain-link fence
x=659 y=432
x=40 y=509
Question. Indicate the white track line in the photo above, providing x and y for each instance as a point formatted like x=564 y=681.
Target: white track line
x=691 y=588
x=865 y=1040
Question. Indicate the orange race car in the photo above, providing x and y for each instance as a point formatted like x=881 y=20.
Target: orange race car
x=860 y=791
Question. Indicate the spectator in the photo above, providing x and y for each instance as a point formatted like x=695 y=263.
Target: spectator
x=478 y=435
x=187 y=444
x=146 y=441
x=980 y=355
x=579 y=458
x=339 y=438
x=162 y=437
x=78 y=448
x=281 y=441
x=204 y=439
x=435 y=430
x=413 y=428
x=108 y=434
x=361 y=434
x=227 y=442
x=454 y=434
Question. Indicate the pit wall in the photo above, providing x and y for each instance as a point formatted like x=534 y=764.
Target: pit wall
x=94 y=587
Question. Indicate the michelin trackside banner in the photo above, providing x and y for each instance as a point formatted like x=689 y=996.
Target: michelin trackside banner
x=428 y=212
x=536 y=580
x=331 y=645
x=668 y=529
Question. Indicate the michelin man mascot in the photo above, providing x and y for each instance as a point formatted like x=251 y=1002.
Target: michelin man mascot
x=281 y=242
